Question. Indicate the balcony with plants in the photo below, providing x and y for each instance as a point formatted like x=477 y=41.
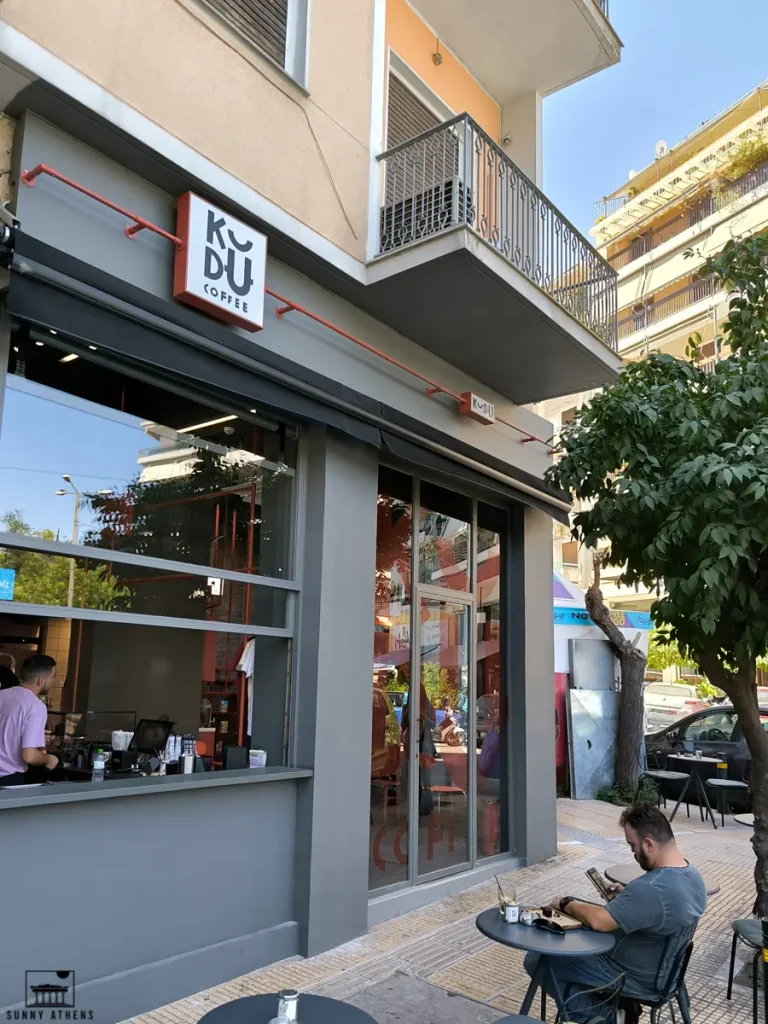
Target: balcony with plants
x=746 y=172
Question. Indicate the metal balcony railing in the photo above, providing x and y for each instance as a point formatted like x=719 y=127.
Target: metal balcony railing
x=455 y=175
x=603 y=5
x=690 y=217
x=639 y=319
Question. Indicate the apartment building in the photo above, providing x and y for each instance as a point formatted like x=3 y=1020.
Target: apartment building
x=279 y=285
x=710 y=187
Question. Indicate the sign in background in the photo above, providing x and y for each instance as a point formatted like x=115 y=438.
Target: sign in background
x=221 y=270
x=7 y=581
x=580 y=617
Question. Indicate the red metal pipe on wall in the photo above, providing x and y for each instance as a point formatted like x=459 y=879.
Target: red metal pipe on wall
x=140 y=224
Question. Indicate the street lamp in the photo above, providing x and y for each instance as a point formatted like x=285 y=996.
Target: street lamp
x=75 y=528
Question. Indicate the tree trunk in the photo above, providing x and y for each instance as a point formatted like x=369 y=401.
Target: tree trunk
x=632 y=663
x=740 y=688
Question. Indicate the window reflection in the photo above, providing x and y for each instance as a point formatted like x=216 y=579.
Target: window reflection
x=145 y=470
x=391 y=675
x=444 y=538
x=491 y=708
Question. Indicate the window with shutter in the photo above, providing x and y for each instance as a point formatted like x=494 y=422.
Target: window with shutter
x=421 y=181
x=407 y=116
x=262 y=22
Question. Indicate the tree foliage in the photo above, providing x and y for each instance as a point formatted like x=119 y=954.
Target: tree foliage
x=670 y=467
x=44 y=579
x=664 y=653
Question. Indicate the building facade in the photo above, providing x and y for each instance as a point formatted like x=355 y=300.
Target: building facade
x=278 y=285
x=710 y=187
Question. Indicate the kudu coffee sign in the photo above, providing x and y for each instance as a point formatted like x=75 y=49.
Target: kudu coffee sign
x=221 y=268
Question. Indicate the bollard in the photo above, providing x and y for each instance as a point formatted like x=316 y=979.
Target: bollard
x=765 y=966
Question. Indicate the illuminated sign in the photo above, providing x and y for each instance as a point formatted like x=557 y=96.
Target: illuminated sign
x=221 y=269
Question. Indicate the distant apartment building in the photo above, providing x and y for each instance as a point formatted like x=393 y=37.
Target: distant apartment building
x=696 y=195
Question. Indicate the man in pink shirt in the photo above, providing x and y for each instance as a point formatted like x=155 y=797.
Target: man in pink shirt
x=23 y=717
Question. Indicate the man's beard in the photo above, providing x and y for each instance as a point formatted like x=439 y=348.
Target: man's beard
x=643 y=860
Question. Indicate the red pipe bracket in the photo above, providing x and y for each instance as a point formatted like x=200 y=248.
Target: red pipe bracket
x=28 y=177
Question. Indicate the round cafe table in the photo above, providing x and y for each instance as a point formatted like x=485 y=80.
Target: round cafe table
x=630 y=870
x=577 y=942
x=261 y=1010
x=745 y=819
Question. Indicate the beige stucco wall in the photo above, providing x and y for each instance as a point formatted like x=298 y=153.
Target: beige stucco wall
x=178 y=64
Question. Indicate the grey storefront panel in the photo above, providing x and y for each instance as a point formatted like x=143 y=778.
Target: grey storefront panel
x=149 y=898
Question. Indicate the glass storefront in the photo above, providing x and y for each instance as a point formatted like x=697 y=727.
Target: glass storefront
x=184 y=611
x=439 y=775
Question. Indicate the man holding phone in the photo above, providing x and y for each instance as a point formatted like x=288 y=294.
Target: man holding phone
x=653 y=916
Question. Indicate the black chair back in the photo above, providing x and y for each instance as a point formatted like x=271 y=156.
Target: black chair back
x=674 y=963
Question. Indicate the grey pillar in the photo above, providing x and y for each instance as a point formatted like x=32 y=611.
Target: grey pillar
x=532 y=705
x=333 y=697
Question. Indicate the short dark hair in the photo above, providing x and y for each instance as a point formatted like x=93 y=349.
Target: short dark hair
x=35 y=666
x=649 y=823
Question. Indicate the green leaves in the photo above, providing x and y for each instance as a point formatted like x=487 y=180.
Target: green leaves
x=670 y=466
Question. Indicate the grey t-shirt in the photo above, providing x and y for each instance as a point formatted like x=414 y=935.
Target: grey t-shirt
x=662 y=903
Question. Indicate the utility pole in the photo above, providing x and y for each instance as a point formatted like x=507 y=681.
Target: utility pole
x=75 y=531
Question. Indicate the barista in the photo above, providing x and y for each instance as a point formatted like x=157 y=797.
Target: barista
x=23 y=718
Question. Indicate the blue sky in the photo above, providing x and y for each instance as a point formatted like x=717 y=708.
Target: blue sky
x=43 y=438
x=682 y=63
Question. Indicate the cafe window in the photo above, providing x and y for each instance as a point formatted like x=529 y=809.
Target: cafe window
x=146 y=545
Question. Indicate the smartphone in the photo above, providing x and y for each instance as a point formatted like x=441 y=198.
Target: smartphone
x=600 y=884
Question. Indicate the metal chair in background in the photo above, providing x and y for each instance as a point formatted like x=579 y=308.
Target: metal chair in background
x=750 y=932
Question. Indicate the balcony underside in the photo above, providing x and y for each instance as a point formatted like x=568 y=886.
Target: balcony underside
x=455 y=296
x=525 y=46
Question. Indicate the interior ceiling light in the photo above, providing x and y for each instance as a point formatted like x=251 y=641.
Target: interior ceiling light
x=69 y=358
x=208 y=423
x=53 y=332
x=39 y=344
x=92 y=348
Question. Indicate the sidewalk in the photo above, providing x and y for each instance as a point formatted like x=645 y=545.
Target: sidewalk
x=433 y=967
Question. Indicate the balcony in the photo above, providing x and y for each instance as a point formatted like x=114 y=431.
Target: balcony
x=499 y=280
x=692 y=215
x=654 y=312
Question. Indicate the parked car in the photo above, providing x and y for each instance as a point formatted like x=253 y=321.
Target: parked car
x=668 y=702
x=715 y=732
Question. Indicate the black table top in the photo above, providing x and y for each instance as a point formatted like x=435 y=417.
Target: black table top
x=261 y=1010
x=578 y=942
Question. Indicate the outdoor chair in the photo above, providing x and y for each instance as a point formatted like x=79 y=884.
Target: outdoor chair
x=660 y=776
x=670 y=986
x=721 y=788
x=750 y=932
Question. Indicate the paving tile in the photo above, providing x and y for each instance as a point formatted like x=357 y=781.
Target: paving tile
x=439 y=946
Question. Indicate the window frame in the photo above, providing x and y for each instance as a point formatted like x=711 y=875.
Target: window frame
x=296 y=61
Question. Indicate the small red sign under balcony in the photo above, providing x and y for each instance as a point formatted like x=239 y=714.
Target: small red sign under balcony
x=477 y=408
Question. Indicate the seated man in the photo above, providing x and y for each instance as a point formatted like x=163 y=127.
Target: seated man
x=662 y=905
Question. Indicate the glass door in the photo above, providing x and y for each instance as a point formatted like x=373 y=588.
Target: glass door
x=442 y=764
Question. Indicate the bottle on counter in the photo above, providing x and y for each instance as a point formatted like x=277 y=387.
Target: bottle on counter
x=98 y=766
